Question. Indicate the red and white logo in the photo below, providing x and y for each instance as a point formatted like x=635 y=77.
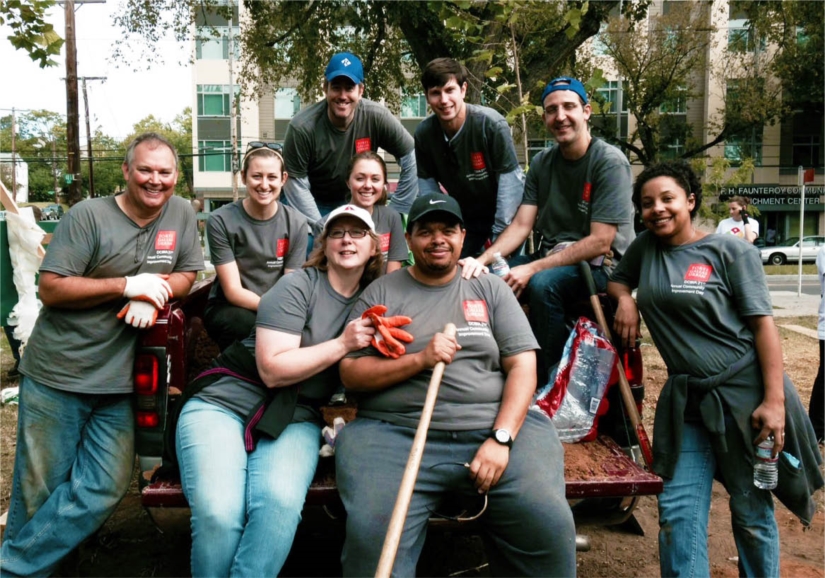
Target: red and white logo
x=362 y=145
x=282 y=249
x=476 y=310
x=477 y=161
x=385 y=242
x=698 y=272
x=165 y=241
x=586 y=192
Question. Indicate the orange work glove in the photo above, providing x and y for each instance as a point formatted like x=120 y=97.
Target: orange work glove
x=388 y=336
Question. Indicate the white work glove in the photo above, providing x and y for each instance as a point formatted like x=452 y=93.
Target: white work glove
x=148 y=287
x=139 y=314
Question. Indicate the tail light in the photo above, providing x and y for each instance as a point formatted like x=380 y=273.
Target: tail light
x=146 y=377
x=633 y=370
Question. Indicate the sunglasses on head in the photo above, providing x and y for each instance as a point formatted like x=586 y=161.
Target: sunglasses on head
x=256 y=144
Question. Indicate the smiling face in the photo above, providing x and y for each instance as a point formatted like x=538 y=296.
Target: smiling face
x=342 y=96
x=264 y=178
x=436 y=245
x=666 y=210
x=150 y=179
x=367 y=183
x=566 y=118
x=349 y=252
x=447 y=102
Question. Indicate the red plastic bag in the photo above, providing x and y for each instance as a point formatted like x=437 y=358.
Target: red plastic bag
x=576 y=394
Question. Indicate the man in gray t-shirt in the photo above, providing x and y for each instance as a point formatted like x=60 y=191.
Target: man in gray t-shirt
x=322 y=138
x=112 y=263
x=481 y=419
x=577 y=198
x=468 y=150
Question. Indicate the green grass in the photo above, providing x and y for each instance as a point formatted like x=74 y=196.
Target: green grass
x=790 y=269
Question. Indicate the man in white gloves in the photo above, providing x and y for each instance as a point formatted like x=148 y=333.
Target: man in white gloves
x=113 y=262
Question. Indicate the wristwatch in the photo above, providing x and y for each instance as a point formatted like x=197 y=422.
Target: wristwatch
x=503 y=437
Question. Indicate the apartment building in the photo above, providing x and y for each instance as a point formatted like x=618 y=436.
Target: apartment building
x=777 y=150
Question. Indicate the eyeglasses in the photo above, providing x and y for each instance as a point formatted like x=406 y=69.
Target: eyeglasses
x=353 y=233
x=462 y=515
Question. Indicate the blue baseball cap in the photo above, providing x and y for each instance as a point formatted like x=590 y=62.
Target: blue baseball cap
x=345 y=64
x=565 y=83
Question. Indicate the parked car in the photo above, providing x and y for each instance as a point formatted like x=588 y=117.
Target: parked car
x=52 y=212
x=788 y=251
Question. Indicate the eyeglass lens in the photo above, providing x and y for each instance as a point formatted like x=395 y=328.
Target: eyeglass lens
x=353 y=233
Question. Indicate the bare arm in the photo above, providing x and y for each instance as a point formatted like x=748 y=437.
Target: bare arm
x=492 y=458
x=230 y=279
x=514 y=235
x=627 y=323
x=393 y=266
x=78 y=292
x=375 y=373
x=181 y=282
x=282 y=361
x=769 y=417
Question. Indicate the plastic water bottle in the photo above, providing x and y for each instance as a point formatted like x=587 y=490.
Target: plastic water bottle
x=499 y=266
x=765 y=473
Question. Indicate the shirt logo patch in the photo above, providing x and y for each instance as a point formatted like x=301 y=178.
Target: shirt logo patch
x=166 y=240
x=698 y=272
x=362 y=145
x=385 y=242
x=586 y=192
x=476 y=310
x=477 y=161
x=283 y=248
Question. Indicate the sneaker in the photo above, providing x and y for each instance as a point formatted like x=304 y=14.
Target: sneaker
x=10 y=396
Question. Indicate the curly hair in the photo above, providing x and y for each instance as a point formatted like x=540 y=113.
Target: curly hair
x=678 y=170
x=372 y=270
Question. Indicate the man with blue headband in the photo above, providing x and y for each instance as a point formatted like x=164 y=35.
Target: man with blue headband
x=577 y=197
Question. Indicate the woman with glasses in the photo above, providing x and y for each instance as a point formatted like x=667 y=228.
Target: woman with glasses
x=249 y=434
x=367 y=183
x=253 y=242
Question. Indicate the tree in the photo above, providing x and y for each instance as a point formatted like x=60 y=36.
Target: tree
x=179 y=133
x=30 y=31
x=107 y=156
x=40 y=142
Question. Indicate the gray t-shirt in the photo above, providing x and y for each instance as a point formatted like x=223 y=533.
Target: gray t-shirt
x=572 y=194
x=469 y=164
x=261 y=249
x=390 y=230
x=89 y=350
x=302 y=303
x=694 y=299
x=314 y=148
x=490 y=324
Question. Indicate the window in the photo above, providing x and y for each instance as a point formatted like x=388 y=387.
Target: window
x=414 y=106
x=806 y=150
x=742 y=37
x=677 y=104
x=212 y=42
x=215 y=156
x=610 y=93
x=213 y=99
x=745 y=145
x=599 y=46
x=673 y=149
x=287 y=102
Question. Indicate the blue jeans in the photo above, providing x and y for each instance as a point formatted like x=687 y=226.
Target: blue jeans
x=245 y=507
x=550 y=293
x=73 y=464
x=684 y=506
x=528 y=523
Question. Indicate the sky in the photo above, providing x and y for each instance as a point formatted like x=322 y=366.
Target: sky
x=115 y=105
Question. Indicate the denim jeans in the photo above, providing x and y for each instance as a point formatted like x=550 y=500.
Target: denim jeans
x=528 y=524
x=73 y=463
x=684 y=506
x=245 y=507
x=550 y=293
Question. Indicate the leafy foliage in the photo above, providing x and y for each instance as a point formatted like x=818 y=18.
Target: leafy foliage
x=30 y=31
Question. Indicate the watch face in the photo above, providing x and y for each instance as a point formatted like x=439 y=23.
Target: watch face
x=502 y=436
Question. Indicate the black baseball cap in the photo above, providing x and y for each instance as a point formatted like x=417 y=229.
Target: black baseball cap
x=437 y=203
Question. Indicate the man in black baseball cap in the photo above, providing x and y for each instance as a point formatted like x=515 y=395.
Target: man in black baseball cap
x=434 y=204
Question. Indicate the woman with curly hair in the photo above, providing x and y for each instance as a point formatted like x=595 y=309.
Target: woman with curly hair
x=705 y=300
x=249 y=434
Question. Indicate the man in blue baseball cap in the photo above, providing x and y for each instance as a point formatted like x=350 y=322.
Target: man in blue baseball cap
x=322 y=138
x=577 y=196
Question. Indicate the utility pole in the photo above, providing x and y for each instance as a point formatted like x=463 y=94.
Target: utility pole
x=13 y=156
x=89 y=134
x=72 y=121
x=233 y=120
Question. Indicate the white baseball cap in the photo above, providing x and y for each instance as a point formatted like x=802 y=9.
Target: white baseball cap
x=350 y=211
